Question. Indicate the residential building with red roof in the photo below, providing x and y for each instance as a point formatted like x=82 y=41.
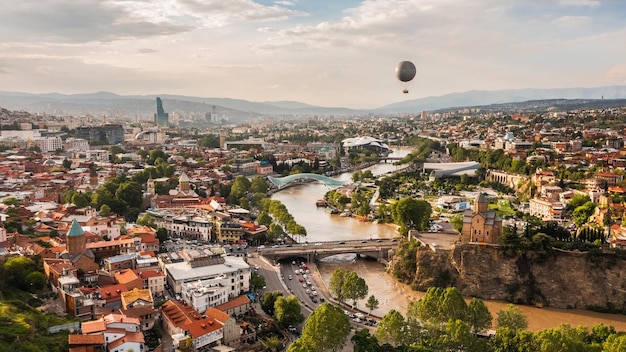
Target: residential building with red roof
x=236 y=306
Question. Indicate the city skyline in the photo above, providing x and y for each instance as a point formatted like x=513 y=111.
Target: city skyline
x=326 y=53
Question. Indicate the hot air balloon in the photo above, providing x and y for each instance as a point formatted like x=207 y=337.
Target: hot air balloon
x=405 y=71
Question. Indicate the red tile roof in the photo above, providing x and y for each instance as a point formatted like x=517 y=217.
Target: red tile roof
x=202 y=327
x=78 y=339
x=233 y=303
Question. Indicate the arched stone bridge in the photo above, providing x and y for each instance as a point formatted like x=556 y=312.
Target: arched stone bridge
x=378 y=249
x=282 y=182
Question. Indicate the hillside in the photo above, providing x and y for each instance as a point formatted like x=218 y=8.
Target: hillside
x=239 y=110
x=561 y=280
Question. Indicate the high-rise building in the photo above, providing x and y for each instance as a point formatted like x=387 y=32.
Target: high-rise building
x=161 y=117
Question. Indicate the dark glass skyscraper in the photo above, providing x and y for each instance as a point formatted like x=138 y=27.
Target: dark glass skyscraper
x=161 y=117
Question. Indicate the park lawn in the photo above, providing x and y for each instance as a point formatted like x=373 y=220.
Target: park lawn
x=502 y=208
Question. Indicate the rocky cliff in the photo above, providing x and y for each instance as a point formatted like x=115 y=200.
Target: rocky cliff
x=560 y=279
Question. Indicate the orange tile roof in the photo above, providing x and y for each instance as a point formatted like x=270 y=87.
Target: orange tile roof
x=89 y=327
x=178 y=313
x=217 y=314
x=112 y=292
x=119 y=318
x=146 y=274
x=233 y=303
x=79 y=339
x=202 y=327
x=126 y=276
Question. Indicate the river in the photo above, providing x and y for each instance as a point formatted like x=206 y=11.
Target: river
x=321 y=226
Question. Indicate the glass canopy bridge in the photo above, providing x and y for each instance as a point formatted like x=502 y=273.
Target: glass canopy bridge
x=282 y=182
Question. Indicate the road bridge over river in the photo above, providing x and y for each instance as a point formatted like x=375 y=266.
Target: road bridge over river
x=310 y=252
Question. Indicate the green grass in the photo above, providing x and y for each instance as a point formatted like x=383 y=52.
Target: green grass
x=24 y=328
x=502 y=208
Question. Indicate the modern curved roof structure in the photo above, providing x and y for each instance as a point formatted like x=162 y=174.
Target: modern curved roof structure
x=282 y=182
x=363 y=141
x=451 y=169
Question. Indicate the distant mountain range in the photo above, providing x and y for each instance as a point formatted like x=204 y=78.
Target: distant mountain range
x=110 y=104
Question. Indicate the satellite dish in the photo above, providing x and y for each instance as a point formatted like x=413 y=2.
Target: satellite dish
x=405 y=72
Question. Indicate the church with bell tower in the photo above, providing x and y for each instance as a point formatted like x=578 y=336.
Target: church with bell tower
x=481 y=224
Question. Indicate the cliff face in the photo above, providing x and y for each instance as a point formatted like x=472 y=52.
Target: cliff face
x=562 y=280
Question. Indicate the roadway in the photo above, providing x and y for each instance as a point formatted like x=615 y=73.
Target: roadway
x=324 y=249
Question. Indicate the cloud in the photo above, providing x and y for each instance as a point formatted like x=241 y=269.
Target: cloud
x=572 y=20
x=285 y=3
x=219 y=12
x=79 y=21
x=147 y=51
x=617 y=73
x=110 y=20
x=379 y=24
x=589 y=3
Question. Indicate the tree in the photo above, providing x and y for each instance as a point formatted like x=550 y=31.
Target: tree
x=428 y=308
x=146 y=220
x=273 y=344
x=335 y=284
x=562 y=338
x=354 y=287
x=268 y=300
x=80 y=200
x=456 y=336
x=512 y=317
x=258 y=185
x=264 y=219
x=131 y=193
x=391 y=329
x=364 y=342
x=18 y=270
x=12 y=201
x=287 y=311
x=238 y=189
x=105 y=210
x=372 y=303
x=34 y=281
x=67 y=164
x=411 y=213
x=581 y=214
x=457 y=222
x=453 y=305
x=614 y=343
x=478 y=316
x=326 y=329
x=161 y=234
x=257 y=281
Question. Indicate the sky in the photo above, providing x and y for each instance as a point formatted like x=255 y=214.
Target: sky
x=333 y=53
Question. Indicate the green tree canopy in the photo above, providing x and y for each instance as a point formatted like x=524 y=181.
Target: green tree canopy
x=512 y=317
x=478 y=316
x=354 y=287
x=287 y=311
x=411 y=213
x=372 y=303
x=326 y=329
x=146 y=220
x=392 y=329
x=335 y=284
x=268 y=300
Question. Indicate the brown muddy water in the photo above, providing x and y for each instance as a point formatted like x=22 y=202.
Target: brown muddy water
x=394 y=295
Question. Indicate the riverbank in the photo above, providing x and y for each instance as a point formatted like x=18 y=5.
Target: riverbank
x=394 y=295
